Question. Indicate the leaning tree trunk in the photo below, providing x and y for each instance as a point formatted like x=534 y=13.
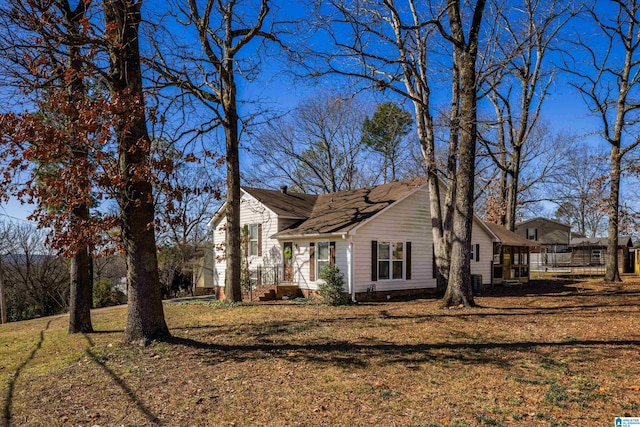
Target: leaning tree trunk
x=612 y=274
x=427 y=146
x=145 y=315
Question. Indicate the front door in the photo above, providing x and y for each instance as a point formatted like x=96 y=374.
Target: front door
x=287 y=256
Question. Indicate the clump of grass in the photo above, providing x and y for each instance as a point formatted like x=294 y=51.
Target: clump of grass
x=301 y=300
x=550 y=363
x=489 y=421
x=385 y=393
x=213 y=303
x=630 y=406
x=527 y=381
x=455 y=423
x=557 y=395
x=586 y=391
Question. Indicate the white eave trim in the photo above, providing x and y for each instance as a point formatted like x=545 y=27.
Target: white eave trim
x=219 y=213
x=308 y=236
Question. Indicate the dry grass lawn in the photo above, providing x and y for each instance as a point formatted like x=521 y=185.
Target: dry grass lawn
x=553 y=354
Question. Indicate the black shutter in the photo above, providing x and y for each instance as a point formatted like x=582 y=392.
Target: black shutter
x=374 y=260
x=312 y=261
x=332 y=253
x=477 y=252
x=259 y=239
x=408 y=262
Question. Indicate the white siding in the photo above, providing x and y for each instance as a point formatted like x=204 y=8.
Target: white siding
x=203 y=271
x=407 y=221
x=484 y=265
x=218 y=252
x=301 y=261
x=251 y=212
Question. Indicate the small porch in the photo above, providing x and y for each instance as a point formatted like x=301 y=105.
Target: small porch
x=511 y=257
x=510 y=264
x=269 y=283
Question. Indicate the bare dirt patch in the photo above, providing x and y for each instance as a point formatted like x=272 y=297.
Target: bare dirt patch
x=548 y=354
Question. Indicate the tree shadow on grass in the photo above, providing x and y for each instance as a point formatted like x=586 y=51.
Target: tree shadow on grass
x=8 y=400
x=360 y=355
x=559 y=288
x=128 y=391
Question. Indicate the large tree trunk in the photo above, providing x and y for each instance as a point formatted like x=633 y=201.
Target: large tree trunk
x=459 y=285
x=465 y=52
x=427 y=146
x=80 y=297
x=145 y=315
x=233 y=287
x=612 y=274
x=81 y=280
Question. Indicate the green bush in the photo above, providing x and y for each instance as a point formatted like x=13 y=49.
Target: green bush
x=104 y=295
x=331 y=290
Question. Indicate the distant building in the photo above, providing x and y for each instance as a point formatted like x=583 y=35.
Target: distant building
x=593 y=252
x=552 y=239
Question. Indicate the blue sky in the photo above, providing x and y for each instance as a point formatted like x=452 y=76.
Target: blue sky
x=564 y=109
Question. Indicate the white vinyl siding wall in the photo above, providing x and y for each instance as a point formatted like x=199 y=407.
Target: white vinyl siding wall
x=407 y=221
x=218 y=253
x=483 y=265
x=301 y=261
x=251 y=212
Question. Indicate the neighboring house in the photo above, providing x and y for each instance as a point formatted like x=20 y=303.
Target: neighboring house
x=593 y=252
x=551 y=239
x=379 y=237
x=511 y=255
x=202 y=276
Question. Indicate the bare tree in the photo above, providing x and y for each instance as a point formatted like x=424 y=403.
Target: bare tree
x=392 y=47
x=228 y=32
x=316 y=149
x=609 y=81
x=36 y=275
x=187 y=199
x=578 y=192
x=522 y=39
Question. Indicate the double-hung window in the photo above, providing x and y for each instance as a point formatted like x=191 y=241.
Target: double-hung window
x=390 y=260
x=253 y=239
x=322 y=258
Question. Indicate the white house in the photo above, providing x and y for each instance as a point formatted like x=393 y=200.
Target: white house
x=379 y=237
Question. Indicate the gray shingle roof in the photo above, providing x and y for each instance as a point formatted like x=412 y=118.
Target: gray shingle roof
x=285 y=204
x=507 y=237
x=343 y=211
x=599 y=242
